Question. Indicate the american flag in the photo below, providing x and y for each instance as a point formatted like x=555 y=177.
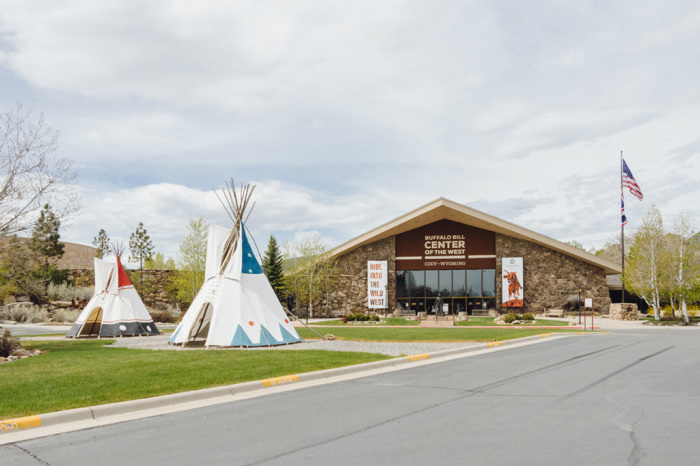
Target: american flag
x=622 y=212
x=629 y=182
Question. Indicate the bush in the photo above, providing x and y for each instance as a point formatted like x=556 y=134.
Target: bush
x=8 y=344
x=374 y=318
x=527 y=317
x=510 y=318
x=350 y=317
x=28 y=313
x=66 y=292
x=66 y=315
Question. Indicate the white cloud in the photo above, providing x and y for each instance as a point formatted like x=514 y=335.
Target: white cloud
x=350 y=114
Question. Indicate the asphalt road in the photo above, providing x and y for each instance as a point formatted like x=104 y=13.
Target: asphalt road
x=19 y=330
x=626 y=398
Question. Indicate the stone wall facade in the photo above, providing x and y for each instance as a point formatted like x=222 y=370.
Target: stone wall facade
x=350 y=292
x=551 y=277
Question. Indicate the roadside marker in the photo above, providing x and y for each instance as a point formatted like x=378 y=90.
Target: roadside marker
x=545 y=335
x=418 y=357
x=10 y=425
x=280 y=380
x=495 y=343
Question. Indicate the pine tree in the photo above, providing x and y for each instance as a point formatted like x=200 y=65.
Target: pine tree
x=273 y=266
x=101 y=242
x=141 y=248
x=45 y=236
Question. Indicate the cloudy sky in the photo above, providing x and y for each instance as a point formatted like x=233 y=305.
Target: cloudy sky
x=348 y=114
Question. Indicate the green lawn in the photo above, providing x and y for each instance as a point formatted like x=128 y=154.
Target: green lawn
x=379 y=333
x=488 y=321
x=472 y=322
x=76 y=373
x=670 y=320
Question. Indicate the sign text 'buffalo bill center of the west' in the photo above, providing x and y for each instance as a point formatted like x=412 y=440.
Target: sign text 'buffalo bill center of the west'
x=471 y=260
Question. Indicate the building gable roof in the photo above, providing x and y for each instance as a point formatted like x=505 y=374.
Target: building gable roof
x=442 y=208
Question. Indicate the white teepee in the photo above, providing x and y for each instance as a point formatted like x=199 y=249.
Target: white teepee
x=236 y=305
x=116 y=309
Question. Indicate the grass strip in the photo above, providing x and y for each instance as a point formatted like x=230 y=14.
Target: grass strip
x=472 y=322
x=77 y=373
x=444 y=335
x=488 y=321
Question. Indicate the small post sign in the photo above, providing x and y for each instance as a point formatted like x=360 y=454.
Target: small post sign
x=377 y=284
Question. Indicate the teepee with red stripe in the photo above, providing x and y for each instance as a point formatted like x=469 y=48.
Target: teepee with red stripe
x=116 y=310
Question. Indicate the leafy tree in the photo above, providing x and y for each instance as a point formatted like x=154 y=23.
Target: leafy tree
x=273 y=266
x=18 y=265
x=310 y=272
x=684 y=263
x=645 y=273
x=159 y=262
x=101 y=242
x=45 y=237
x=141 y=248
x=30 y=174
x=191 y=261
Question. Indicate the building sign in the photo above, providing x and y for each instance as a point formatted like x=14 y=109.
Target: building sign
x=377 y=273
x=512 y=281
x=445 y=245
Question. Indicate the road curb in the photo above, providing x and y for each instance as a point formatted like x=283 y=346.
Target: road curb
x=95 y=413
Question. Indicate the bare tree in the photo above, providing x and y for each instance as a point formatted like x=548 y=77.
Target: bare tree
x=645 y=273
x=309 y=270
x=685 y=267
x=30 y=174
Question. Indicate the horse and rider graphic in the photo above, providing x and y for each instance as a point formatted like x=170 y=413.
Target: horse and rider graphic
x=515 y=298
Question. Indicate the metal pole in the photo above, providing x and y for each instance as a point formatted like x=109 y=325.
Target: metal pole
x=622 y=234
x=579 y=306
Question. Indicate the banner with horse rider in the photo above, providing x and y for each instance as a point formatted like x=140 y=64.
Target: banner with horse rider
x=512 y=281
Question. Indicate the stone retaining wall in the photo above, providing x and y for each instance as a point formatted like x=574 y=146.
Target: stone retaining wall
x=157 y=293
x=626 y=311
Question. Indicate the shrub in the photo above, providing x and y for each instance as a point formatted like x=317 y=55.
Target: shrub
x=527 y=317
x=510 y=318
x=374 y=318
x=66 y=292
x=169 y=315
x=8 y=344
x=66 y=315
x=29 y=313
x=350 y=317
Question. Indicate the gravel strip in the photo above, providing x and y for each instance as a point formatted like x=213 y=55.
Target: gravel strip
x=160 y=342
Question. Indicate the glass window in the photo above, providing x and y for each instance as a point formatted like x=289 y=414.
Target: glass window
x=429 y=303
x=401 y=285
x=418 y=305
x=403 y=304
x=459 y=305
x=489 y=282
x=445 y=283
x=458 y=283
x=474 y=282
x=417 y=283
x=431 y=283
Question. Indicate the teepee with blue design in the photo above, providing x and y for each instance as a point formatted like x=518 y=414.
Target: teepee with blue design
x=236 y=305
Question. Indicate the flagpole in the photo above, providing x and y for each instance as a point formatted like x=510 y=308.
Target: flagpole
x=622 y=233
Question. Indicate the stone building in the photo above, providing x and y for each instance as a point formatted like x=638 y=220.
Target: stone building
x=471 y=260
x=75 y=256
